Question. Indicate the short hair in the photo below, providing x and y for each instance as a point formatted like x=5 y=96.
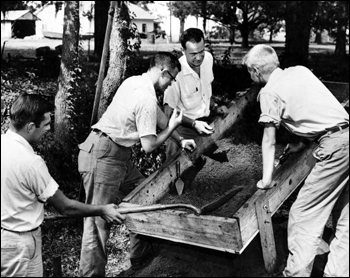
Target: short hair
x=194 y=35
x=263 y=57
x=29 y=108
x=165 y=59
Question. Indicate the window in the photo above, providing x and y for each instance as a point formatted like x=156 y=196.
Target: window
x=144 y=27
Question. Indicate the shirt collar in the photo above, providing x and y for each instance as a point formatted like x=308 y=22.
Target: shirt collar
x=185 y=67
x=18 y=138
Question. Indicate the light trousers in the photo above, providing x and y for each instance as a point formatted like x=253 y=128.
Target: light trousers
x=108 y=175
x=21 y=254
x=325 y=192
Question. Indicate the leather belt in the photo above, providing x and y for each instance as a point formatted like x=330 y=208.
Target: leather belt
x=332 y=130
x=20 y=232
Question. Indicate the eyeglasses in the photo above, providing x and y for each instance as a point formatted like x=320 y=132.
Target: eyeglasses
x=172 y=77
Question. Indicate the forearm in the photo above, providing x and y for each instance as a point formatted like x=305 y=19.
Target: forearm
x=268 y=155
x=66 y=206
x=162 y=122
x=186 y=121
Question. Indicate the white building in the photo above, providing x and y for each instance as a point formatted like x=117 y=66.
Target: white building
x=52 y=16
x=19 y=24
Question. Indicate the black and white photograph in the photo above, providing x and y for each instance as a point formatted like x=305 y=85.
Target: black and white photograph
x=175 y=138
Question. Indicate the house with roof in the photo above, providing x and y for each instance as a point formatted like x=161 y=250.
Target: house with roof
x=144 y=20
x=52 y=17
x=19 y=24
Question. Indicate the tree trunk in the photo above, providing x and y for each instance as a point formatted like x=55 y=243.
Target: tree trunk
x=204 y=15
x=244 y=29
x=66 y=77
x=298 y=26
x=182 y=26
x=101 y=18
x=232 y=31
x=318 y=36
x=271 y=35
x=340 y=47
x=118 y=55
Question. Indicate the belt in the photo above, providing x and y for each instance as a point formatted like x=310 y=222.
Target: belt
x=20 y=232
x=332 y=130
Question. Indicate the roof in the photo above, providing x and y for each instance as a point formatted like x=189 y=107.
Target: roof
x=140 y=13
x=19 y=15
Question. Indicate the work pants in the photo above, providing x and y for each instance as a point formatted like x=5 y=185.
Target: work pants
x=108 y=175
x=21 y=254
x=325 y=190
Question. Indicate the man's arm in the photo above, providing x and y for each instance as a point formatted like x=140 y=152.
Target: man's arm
x=162 y=123
x=66 y=206
x=199 y=126
x=268 y=154
x=150 y=142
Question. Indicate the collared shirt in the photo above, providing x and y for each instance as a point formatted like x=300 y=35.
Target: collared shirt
x=133 y=112
x=26 y=184
x=296 y=98
x=190 y=92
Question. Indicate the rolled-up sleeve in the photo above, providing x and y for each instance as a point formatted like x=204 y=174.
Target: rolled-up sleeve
x=40 y=180
x=271 y=109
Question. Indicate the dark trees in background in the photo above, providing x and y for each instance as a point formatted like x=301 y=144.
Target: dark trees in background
x=101 y=18
x=298 y=27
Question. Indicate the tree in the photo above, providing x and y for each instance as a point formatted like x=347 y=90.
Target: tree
x=341 y=18
x=67 y=80
x=245 y=16
x=275 y=15
x=225 y=13
x=118 y=54
x=181 y=10
x=298 y=27
x=101 y=18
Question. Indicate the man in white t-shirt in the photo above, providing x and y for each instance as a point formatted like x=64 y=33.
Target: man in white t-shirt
x=26 y=185
x=192 y=93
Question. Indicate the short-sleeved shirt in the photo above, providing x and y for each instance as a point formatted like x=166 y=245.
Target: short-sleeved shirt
x=132 y=113
x=297 y=99
x=26 y=184
x=190 y=92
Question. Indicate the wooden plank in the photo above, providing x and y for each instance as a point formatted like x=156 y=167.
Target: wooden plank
x=267 y=239
x=286 y=179
x=218 y=233
x=156 y=185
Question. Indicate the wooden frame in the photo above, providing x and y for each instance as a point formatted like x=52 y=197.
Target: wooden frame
x=228 y=234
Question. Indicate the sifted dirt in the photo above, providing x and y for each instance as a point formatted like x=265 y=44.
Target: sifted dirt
x=243 y=170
